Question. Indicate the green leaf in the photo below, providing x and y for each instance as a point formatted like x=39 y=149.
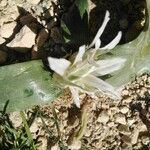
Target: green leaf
x=137 y=54
x=27 y=129
x=26 y=84
x=82 y=6
x=65 y=28
x=74 y=23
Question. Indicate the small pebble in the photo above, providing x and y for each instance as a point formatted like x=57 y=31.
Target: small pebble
x=55 y=147
x=24 y=39
x=145 y=140
x=34 y=2
x=7 y=29
x=123 y=129
x=125 y=92
x=124 y=109
x=135 y=135
x=103 y=117
x=130 y=121
x=76 y=145
x=120 y=118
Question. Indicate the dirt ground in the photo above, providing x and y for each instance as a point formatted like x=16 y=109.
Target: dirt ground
x=104 y=124
x=100 y=123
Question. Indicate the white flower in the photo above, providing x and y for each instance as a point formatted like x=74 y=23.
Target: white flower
x=82 y=75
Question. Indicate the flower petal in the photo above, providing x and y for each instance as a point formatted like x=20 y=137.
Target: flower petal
x=101 y=85
x=108 y=66
x=114 y=42
x=97 y=44
x=100 y=31
x=80 y=54
x=58 y=65
x=75 y=96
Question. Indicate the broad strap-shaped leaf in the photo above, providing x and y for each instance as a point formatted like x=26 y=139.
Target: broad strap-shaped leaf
x=26 y=84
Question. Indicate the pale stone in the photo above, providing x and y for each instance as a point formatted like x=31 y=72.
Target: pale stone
x=120 y=118
x=105 y=106
x=127 y=100
x=103 y=117
x=15 y=119
x=55 y=147
x=136 y=132
x=130 y=121
x=111 y=124
x=7 y=29
x=87 y=133
x=124 y=109
x=34 y=2
x=125 y=92
x=76 y=145
x=43 y=145
x=145 y=140
x=34 y=127
x=135 y=135
x=3 y=3
x=24 y=39
x=15 y=13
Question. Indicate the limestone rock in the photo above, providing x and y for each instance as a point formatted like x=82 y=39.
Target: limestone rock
x=76 y=145
x=120 y=118
x=130 y=121
x=124 y=109
x=24 y=39
x=135 y=136
x=34 y=2
x=145 y=140
x=103 y=117
x=15 y=119
x=55 y=147
x=7 y=29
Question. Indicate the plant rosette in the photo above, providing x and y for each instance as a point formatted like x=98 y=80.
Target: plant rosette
x=81 y=74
